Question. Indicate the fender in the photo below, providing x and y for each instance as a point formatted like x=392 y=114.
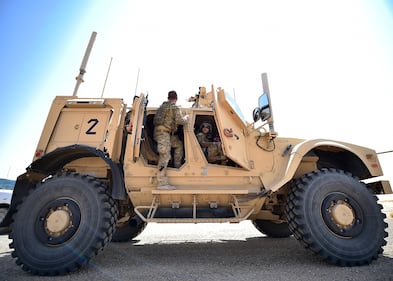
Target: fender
x=366 y=157
x=51 y=163
x=55 y=160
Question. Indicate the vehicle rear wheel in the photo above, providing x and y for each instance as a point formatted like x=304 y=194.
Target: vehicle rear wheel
x=129 y=230
x=273 y=229
x=62 y=224
x=335 y=215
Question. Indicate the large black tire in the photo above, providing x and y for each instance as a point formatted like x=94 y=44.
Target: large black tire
x=62 y=224
x=129 y=230
x=273 y=229
x=334 y=215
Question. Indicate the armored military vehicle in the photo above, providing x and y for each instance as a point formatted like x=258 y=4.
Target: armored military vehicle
x=93 y=179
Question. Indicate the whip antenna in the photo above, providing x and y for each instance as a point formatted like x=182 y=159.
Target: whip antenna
x=106 y=78
x=383 y=152
x=137 y=79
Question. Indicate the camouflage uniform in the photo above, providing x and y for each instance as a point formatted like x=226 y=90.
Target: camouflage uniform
x=211 y=148
x=166 y=120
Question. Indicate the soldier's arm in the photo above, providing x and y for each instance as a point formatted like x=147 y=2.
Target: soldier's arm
x=179 y=118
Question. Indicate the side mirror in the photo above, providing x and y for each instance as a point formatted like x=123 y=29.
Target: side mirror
x=264 y=107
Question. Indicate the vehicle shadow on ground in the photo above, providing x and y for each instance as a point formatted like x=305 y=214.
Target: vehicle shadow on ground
x=259 y=258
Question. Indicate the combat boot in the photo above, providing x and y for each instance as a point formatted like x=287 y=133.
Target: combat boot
x=162 y=179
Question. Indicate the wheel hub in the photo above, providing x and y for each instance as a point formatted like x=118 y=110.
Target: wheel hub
x=58 y=221
x=342 y=215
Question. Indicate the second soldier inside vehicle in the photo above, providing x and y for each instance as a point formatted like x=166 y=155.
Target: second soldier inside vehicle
x=211 y=145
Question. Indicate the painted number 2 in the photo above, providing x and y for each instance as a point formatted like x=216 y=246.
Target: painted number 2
x=93 y=122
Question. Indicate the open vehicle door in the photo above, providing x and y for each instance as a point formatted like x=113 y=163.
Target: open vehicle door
x=138 y=120
x=231 y=126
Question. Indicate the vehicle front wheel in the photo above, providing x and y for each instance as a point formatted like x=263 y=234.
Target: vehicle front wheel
x=335 y=215
x=62 y=224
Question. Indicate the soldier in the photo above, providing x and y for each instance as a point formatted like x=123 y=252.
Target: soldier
x=166 y=120
x=211 y=146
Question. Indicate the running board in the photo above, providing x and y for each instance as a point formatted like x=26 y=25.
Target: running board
x=199 y=191
x=153 y=213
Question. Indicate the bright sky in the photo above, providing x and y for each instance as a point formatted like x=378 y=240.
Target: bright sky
x=329 y=63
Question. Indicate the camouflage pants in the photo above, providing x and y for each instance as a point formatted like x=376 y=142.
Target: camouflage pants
x=166 y=141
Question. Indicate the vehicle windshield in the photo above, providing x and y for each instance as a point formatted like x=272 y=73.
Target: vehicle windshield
x=234 y=106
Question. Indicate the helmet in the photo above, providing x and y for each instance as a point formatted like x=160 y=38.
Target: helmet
x=206 y=125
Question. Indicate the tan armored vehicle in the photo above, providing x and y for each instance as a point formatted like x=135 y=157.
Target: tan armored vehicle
x=92 y=181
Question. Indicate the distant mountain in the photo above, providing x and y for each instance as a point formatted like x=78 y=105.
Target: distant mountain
x=7 y=184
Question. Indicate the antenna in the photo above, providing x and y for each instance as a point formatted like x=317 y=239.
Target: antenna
x=82 y=69
x=137 y=80
x=265 y=86
x=383 y=152
x=106 y=78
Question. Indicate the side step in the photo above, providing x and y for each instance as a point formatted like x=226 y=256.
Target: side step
x=234 y=213
x=199 y=191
